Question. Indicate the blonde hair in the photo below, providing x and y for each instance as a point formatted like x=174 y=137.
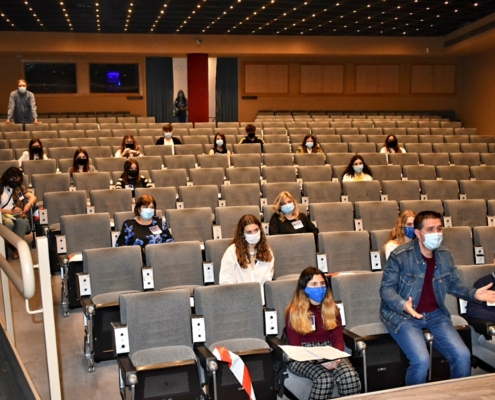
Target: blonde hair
x=297 y=312
x=397 y=233
x=277 y=204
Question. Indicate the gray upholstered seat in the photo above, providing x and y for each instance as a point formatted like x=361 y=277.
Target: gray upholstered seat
x=247 y=194
x=419 y=172
x=362 y=191
x=401 y=190
x=190 y=224
x=110 y=201
x=337 y=244
x=332 y=217
x=169 y=177
x=458 y=240
x=315 y=173
x=272 y=190
x=63 y=203
x=376 y=214
x=466 y=212
x=292 y=253
x=242 y=175
x=420 y=205
x=45 y=183
x=91 y=181
x=440 y=190
x=434 y=159
x=199 y=196
x=278 y=159
x=279 y=174
x=207 y=176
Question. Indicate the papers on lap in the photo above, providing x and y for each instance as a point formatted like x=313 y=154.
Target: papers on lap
x=299 y=353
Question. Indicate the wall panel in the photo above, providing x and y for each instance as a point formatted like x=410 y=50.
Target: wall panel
x=322 y=79
x=433 y=79
x=266 y=78
x=376 y=79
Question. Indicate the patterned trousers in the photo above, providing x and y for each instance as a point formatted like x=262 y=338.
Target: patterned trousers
x=344 y=376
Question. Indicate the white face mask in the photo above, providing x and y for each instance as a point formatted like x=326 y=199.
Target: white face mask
x=432 y=240
x=168 y=135
x=253 y=238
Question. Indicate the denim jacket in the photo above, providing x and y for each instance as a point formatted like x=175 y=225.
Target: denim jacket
x=404 y=276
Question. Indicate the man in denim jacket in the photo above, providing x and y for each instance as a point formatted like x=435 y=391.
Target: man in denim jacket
x=417 y=277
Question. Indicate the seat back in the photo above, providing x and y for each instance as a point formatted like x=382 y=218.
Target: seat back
x=478 y=189
x=91 y=181
x=277 y=159
x=190 y=224
x=365 y=308
x=279 y=174
x=440 y=190
x=110 y=200
x=483 y=236
x=64 y=203
x=246 y=160
x=157 y=150
x=484 y=173
x=421 y=205
x=169 y=178
x=44 y=183
x=337 y=244
x=239 y=308
x=310 y=159
x=278 y=295
x=30 y=167
x=292 y=253
x=362 y=191
x=212 y=161
x=469 y=159
x=228 y=218
x=466 y=212
x=378 y=240
x=164 y=197
x=199 y=196
x=86 y=231
x=186 y=162
x=322 y=192
x=376 y=214
x=403 y=158
x=148 y=316
x=175 y=264
x=113 y=269
x=419 y=172
x=401 y=190
x=241 y=195
x=458 y=240
x=242 y=175
x=214 y=251
x=272 y=190
x=332 y=217
x=316 y=173
x=109 y=164
x=453 y=172
x=207 y=176
x=434 y=159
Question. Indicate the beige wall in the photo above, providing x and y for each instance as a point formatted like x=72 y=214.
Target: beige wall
x=478 y=92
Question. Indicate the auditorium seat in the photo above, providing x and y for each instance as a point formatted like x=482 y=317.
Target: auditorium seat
x=316 y=173
x=474 y=148
x=468 y=159
x=339 y=158
x=82 y=142
x=401 y=190
x=227 y=218
x=199 y=196
x=109 y=164
x=403 y=159
x=487 y=139
x=458 y=240
x=272 y=190
x=186 y=162
x=110 y=200
x=446 y=148
x=278 y=148
x=419 y=147
x=457 y=139
x=440 y=190
x=486 y=172
x=165 y=197
x=190 y=224
x=466 y=212
x=246 y=160
x=434 y=159
x=421 y=205
x=322 y=191
x=279 y=174
x=49 y=182
x=419 y=172
x=278 y=159
x=158 y=150
x=376 y=215
x=361 y=191
x=453 y=172
x=336 y=246
x=169 y=178
x=431 y=139
x=332 y=217
x=478 y=189
x=353 y=139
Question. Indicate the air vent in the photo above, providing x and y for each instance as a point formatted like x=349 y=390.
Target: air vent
x=474 y=32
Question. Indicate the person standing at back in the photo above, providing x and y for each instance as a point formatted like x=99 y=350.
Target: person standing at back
x=180 y=106
x=22 y=105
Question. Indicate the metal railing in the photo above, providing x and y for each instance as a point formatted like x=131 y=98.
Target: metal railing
x=25 y=283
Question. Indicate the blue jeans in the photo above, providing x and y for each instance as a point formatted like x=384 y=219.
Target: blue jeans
x=446 y=340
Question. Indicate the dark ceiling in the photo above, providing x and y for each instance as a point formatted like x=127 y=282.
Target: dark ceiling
x=245 y=17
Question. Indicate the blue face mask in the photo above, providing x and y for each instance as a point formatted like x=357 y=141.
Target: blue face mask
x=409 y=232
x=287 y=208
x=147 y=213
x=316 y=294
x=358 y=168
x=433 y=240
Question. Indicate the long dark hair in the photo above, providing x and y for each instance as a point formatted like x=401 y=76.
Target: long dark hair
x=127 y=166
x=31 y=155
x=350 y=170
x=315 y=148
x=183 y=96
x=11 y=173
x=215 y=148
x=263 y=252
x=397 y=148
x=75 y=165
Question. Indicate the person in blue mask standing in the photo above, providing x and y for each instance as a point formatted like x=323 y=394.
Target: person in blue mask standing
x=287 y=219
x=145 y=228
x=415 y=282
x=313 y=319
x=22 y=105
x=403 y=232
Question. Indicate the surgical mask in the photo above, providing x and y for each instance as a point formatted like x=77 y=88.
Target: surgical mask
x=130 y=146
x=81 y=161
x=181 y=95
x=433 y=240
x=168 y=135
x=392 y=143
x=22 y=89
x=147 y=213
x=317 y=294
x=288 y=208
x=252 y=238
x=36 y=150
x=358 y=168
x=251 y=135
x=409 y=232
x=133 y=173
x=309 y=145
x=219 y=142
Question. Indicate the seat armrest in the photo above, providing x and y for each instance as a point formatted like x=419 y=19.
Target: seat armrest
x=125 y=364
x=275 y=342
x=481 y=326
x=86 y=303
x=351 y=340
x=204 y=355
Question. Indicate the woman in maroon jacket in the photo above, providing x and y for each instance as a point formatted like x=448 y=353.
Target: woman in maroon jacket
x=312 y=319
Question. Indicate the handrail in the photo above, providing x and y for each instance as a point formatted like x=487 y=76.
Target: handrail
x=25 y=283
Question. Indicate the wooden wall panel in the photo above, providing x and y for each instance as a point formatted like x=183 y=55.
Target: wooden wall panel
x=322 y=79
x=376 y=79
x=433 y=79
x=264 y=78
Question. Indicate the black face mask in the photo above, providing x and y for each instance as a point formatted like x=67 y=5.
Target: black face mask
x=13 y=184
x=392 y=143
x=130 y=146
x=251 y=135
x=81 y=161
x=36 y=150
x=133 y=173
